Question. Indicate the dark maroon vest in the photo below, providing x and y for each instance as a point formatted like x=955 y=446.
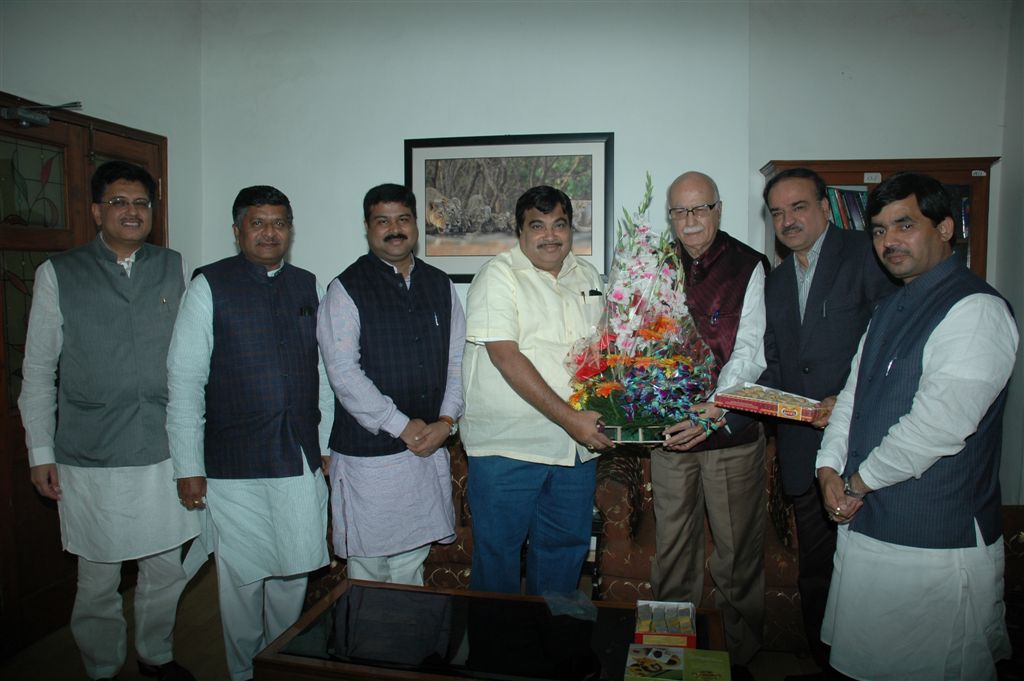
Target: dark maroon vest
x=716 y=283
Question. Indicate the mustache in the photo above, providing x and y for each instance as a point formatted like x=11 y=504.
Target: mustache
x=789 y=229
x=396 y=235
x=892 y=250
x=549 y=243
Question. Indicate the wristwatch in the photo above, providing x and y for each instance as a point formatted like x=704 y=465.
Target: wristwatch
x=848 y=489
x=453 y=426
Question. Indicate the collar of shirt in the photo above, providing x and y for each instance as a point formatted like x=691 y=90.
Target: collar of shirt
x=127 y=262
x=408 y=279
x=812 y=256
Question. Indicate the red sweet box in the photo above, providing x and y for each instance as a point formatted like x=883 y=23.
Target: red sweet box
x=760 y=400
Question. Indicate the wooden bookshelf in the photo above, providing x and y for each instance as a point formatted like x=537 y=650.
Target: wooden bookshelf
x=971 y=173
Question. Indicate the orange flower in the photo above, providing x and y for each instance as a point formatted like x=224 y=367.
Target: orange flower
x=606 y=388
x=643 y=362
x=649 y=334
x=666 y=325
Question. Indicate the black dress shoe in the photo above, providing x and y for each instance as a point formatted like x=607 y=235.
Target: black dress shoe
x=169 y=671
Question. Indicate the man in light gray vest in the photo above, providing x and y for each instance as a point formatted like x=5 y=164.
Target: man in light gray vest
x=102 y=315
x=910 y=460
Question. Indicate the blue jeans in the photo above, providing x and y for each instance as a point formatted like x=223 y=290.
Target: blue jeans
x=512 y=500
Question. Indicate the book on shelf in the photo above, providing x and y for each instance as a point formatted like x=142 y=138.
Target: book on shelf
x=853 y=207
x=833 y=204
x=848 y=207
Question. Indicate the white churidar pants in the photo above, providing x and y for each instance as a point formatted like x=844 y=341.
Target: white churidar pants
x=401 y=568
x=254 y=614
x=97 y=620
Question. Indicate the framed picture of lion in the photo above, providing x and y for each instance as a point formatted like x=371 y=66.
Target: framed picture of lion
x=467 y=187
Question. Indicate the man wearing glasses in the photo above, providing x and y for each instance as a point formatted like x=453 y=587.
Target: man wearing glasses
x=102 y=316
x=723 y=472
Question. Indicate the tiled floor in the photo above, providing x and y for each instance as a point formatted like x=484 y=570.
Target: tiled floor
x=198 y=643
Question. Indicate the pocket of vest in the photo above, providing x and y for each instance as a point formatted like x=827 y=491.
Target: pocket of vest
x=81 y=404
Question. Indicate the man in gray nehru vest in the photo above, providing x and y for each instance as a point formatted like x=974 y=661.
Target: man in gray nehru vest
x=102 y=316
x=247 y=392
x=909 y=463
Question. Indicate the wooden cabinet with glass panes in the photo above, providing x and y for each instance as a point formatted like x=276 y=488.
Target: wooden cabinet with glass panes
x=967 y=179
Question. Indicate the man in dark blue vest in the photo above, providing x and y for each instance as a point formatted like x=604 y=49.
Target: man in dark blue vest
x=392 y=331
x=817 y=303
x=246 y=420
x=909 y=463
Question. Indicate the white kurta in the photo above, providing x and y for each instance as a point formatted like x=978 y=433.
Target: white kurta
x=263 y=527
x=385 y=505
x=107 y=515
x=899 y=613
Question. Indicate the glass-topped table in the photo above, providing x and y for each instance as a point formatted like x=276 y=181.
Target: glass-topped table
x=366 y=630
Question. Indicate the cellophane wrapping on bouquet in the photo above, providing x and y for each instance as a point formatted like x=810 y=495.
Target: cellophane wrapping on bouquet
x=646 y=366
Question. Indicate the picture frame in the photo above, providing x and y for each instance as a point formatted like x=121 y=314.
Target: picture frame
x=466 y=189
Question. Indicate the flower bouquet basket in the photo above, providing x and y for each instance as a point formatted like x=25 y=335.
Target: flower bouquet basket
x=646 y=366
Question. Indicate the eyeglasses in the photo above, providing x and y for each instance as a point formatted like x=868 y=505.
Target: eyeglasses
x=701 y=211
x=120 y=202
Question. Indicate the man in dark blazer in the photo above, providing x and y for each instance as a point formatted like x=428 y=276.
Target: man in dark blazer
x=818 y=302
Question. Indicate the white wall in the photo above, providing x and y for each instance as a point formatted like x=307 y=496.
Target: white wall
x=135 y=63
x=321 y=107
x=1010 y=248
x=876 y=80
x=318 y=97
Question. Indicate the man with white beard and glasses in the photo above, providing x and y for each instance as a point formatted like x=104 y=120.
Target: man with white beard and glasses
x=723 y=474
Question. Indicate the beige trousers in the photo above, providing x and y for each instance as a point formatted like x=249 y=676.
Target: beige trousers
x=729 y=485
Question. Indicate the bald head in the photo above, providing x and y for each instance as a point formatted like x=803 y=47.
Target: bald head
x=694 y=179
x=695 y=210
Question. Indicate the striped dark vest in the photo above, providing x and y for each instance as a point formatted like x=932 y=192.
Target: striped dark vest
x=262 y=403
x=938 y=509
x=403 y=346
